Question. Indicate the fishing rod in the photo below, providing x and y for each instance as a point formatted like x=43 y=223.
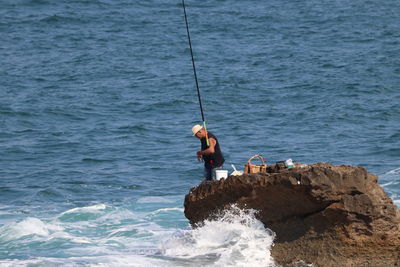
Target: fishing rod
x=194 y=71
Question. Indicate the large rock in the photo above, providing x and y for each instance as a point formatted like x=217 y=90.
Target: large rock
x=322 y=214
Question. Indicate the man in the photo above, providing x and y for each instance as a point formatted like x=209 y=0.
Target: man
x=211 y=154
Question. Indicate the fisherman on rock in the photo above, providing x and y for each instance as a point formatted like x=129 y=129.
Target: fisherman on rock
x=210 y=152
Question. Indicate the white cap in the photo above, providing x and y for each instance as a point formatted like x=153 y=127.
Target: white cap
x=196 y=129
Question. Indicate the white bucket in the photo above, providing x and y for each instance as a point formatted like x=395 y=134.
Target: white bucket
x=221 y=174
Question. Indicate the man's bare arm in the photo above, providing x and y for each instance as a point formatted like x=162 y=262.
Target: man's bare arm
x=210 y=149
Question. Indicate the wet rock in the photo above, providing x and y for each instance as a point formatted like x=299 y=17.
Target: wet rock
x=322 y=214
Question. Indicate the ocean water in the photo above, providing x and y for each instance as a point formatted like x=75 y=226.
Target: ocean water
x=97 y=100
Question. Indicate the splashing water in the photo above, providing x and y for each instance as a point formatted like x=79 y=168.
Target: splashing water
x=103 y=235
x=391 y=183
x=237 y=238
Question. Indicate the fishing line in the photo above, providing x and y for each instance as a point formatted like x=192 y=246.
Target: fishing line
x=194 y=71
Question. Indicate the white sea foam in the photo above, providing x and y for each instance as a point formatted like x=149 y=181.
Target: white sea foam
x=391 y=180
x=168 y=209
x=123 y=237
x=29 y=226
x=236 y=239
x=155 y=199
x=71 y=238
x=98 y=261
x=390 y=183
x=395 y=171
x=93 y=208
x=391 y=175
x=40 y=230
x=115 y=228
x=6 y=212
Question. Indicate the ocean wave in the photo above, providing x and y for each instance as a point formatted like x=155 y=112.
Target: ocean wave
x=129 y=129
x=154 y=199
x=390 y=175
x=168 y=209
x=395 y=171
x=93 y=208
x=95 y=261
x=27 y=227
x=390 y=183
x=236 y=239
x=122 y=237
x=62 y=19
x=93 y=160
x=83 y=214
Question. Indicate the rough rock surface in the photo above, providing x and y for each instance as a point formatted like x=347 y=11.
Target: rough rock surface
x=322 y=214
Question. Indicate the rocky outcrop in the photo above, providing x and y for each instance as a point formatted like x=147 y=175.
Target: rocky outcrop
x=322 y=214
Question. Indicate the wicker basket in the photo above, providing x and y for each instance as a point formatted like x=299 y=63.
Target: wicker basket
x=253 y=168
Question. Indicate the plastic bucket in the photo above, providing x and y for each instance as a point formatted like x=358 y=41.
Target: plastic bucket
x=221 y=174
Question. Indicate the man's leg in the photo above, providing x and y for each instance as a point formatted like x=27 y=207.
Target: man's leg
x=207 y=174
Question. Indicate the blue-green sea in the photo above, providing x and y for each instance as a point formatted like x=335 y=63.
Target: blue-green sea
x=97 y=101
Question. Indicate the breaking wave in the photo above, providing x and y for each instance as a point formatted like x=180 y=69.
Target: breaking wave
x=236 y=239
x=115 y=236
x=390 y=181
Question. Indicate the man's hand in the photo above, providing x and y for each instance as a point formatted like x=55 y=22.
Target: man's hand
x=199 y=156
x=208 y=151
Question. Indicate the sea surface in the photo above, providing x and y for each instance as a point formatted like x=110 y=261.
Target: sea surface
x=97 y=101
